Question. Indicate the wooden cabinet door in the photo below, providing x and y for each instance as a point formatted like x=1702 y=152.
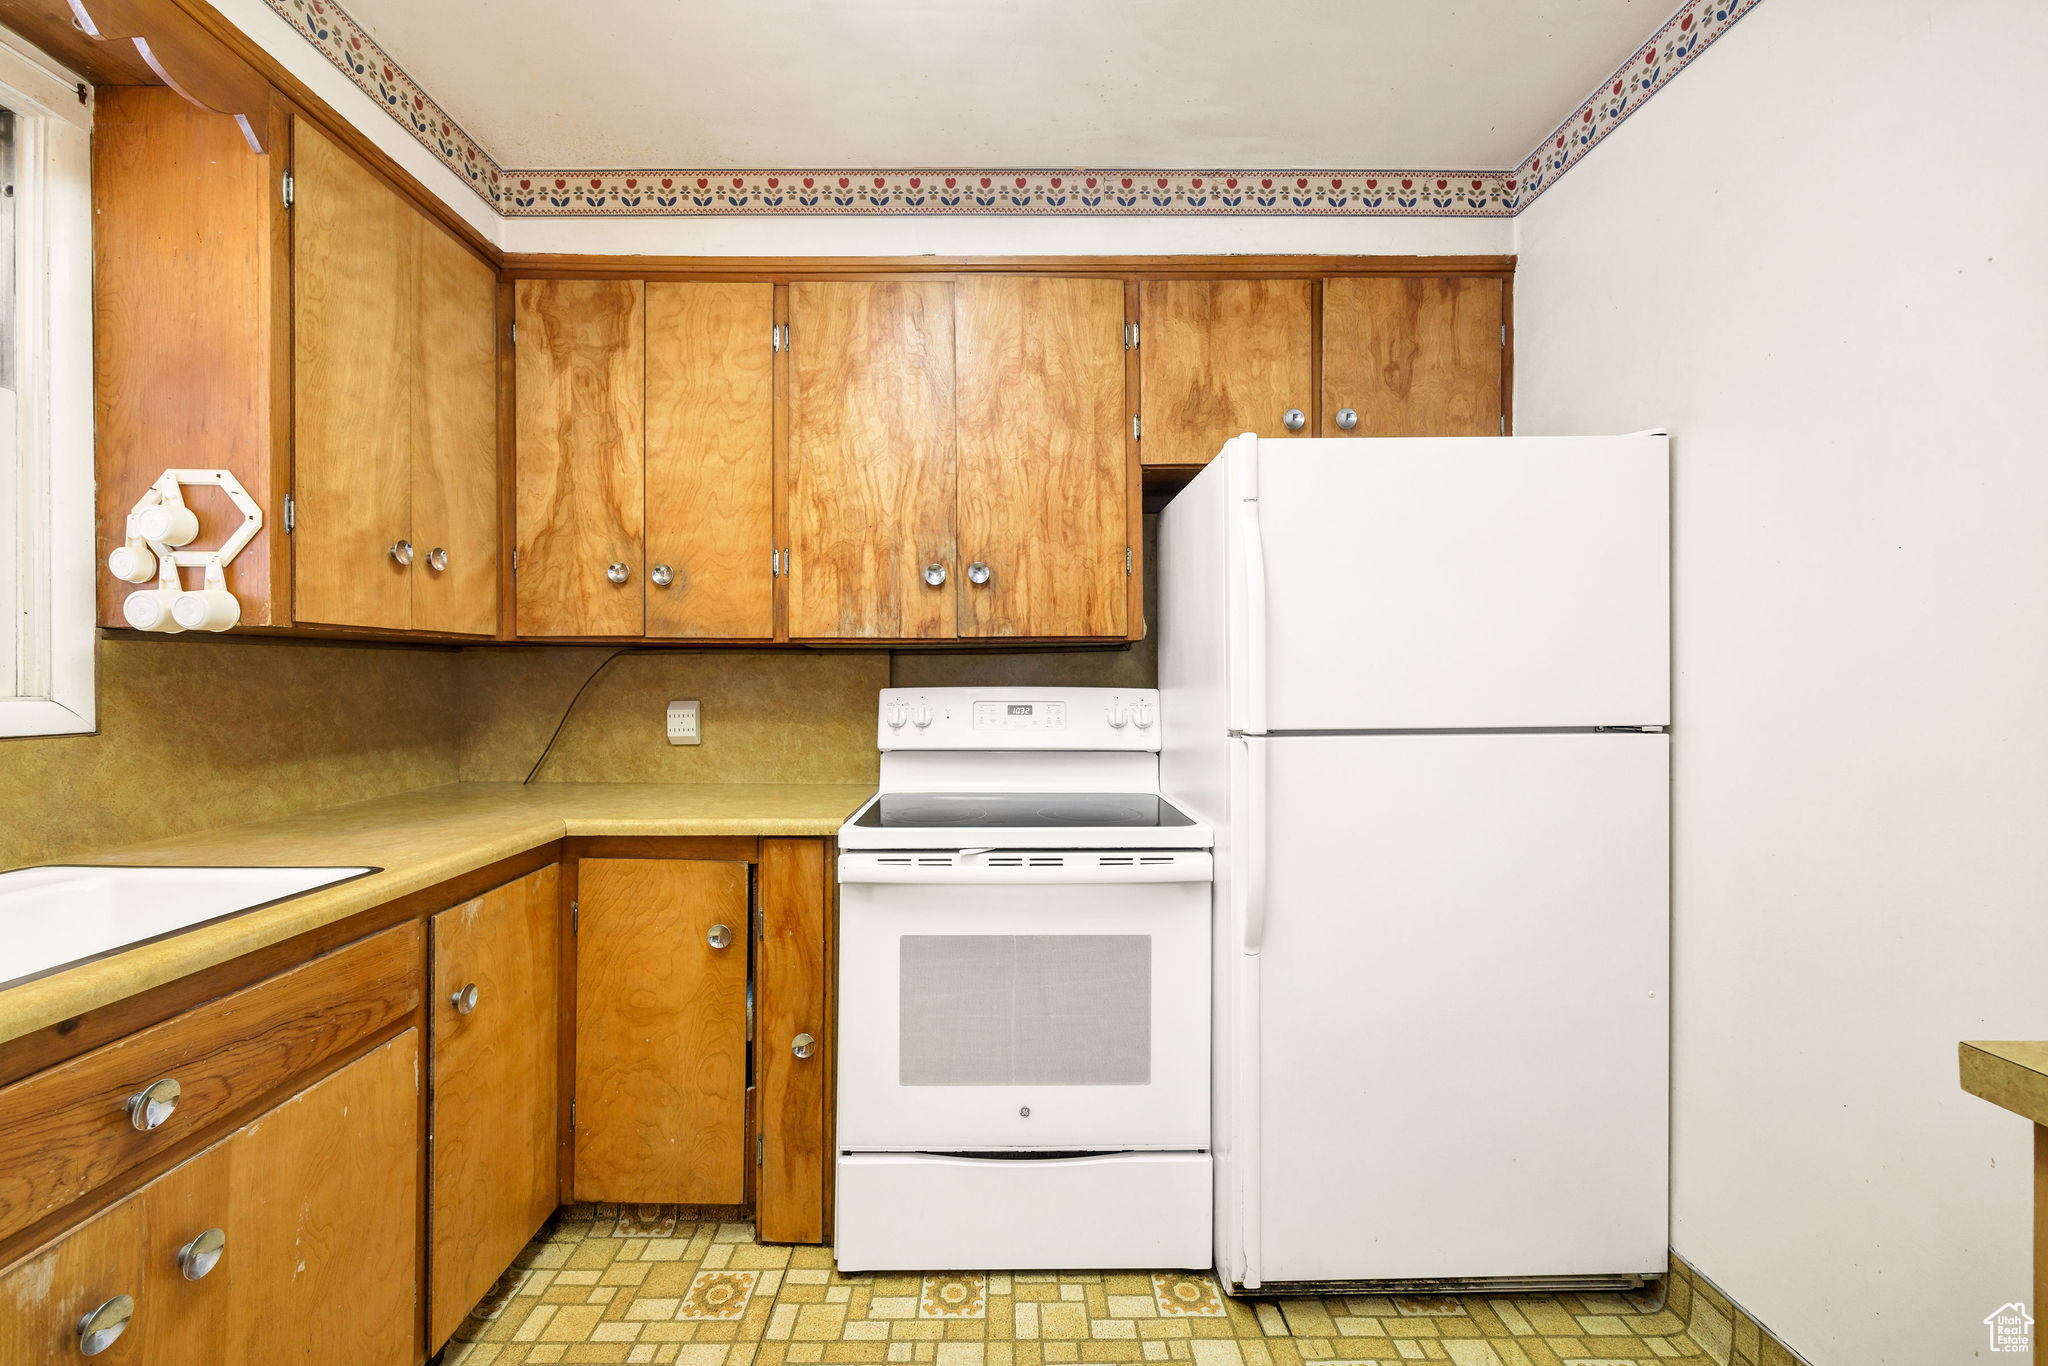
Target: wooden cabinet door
x=711 y=459
x=871 y=479
x=355 y=294
x=323 y=1247
x=796 y=1155
x=1413 y=355
x=455 y=446
x=43 y=1296
x=1044 y=475
x=1220 y=358
x=491 y=1176
x=661 y=1031
x=580 y=377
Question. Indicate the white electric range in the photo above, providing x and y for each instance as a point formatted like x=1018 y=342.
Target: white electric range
x=1024 y=979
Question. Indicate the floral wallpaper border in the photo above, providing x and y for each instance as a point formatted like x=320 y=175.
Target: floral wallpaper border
x=565 y=193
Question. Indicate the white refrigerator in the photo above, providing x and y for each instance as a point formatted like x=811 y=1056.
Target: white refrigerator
x=1420 y=687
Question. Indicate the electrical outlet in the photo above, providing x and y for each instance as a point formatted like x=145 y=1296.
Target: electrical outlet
x=682 y=724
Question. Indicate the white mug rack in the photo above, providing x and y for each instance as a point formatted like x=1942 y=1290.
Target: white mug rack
x=159 y=526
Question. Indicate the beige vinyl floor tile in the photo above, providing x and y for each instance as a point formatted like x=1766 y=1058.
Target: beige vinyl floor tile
x=661 y=1284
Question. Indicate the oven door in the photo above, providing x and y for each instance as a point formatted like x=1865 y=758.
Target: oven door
x=1044 y=1001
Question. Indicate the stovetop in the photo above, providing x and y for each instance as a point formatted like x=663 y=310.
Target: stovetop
x=1019 y=810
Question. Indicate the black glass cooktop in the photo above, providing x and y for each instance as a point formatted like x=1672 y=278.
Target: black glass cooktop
x=1015 y=810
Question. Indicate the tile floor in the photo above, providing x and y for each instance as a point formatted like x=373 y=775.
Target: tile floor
x=654 y=1284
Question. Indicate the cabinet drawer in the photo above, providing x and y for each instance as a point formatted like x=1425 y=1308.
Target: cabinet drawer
x=66 y=1131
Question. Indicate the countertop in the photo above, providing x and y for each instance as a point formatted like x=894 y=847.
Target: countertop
x=2012 y=1075
x=418 y=839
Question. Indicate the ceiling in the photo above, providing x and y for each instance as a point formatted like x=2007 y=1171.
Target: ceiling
x=758 y=84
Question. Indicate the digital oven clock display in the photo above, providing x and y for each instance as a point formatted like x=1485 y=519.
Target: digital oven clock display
x=1020 y=716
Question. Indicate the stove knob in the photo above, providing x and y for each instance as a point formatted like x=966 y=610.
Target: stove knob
x=1118 y=717
x=896 y=714
x=1141 y=715
x=922 y=717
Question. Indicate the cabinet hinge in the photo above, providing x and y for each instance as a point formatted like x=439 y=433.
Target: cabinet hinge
x=1127 y=559
x=1130 y=336
x=286 y=189
x=1503 y=336
x=1137 y=428
x=291 y=515
x=512 y=334
x=1503 y=424
x=572 y=1114
x=575 y=917
x=760 y=1151
x=515 y=562
x=775 y=564
x=778 y=338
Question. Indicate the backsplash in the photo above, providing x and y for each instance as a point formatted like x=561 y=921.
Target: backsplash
x=198 y=733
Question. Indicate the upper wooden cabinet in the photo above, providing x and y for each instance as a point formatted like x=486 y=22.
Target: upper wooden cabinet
x=1220 y=358
x=1417 y=355
x=581 y=392
x=871 y=461
x=337 y=349
x=1044 y=540
x=710 y=519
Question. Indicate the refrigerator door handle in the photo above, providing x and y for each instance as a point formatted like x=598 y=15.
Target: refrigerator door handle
x=1253 y=547
x=1253 y=923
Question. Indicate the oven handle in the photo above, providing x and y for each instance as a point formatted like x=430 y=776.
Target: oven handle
x=1181 y=866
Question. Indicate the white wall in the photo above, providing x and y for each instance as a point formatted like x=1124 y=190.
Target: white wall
x=1817 y=257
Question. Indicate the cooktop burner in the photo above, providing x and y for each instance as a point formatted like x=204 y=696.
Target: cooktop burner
x=1020 y=810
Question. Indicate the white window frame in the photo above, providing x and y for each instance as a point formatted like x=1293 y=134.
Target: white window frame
x=49 y=562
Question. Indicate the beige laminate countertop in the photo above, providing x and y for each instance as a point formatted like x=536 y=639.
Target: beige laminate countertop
x=418 y=839
x=2012 y=1075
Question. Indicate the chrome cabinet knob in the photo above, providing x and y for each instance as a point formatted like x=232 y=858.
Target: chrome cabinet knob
x=437 y=560
x=662 y=575
x=935 y=574
x=1294 y=419
x=152 y=1105
x=718 y=937
x=98 y=1329
x=401 y=551
x=978 y=572
x=1347 y=418
x=803 y=1045
x=617 y=571
x=202 y=1254
x=464 y=1000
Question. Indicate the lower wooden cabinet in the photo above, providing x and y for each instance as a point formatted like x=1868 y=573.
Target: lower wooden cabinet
x=794 y=1042
x=492 y=1107
x=661 y=1031
x=294 y=1238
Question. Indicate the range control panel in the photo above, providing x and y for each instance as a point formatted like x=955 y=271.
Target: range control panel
x=1019 y=718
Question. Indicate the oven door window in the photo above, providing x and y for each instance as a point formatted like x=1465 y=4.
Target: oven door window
x=1033 y=1009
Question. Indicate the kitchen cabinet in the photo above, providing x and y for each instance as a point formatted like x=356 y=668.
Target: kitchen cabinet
x=872 y=477
x=1222 y=357
x=491 y=1131
x=580 y=393
x=794 y=1042
x=1044 y=540
x=710 y=480
x=312 y=1256
x=1417 y=355
x=661 y=1030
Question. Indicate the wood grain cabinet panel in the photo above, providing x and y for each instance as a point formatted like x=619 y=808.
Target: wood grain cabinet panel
x=491 y=1175
x=711 y=460
x=323 y=1232
x=64 y=1131
x=789 y=1197
x=870 y=460
x=45 y=1295
x=1220 y=358
x=580 y=397
x=661 y=1031
x=1043 y=469
x=455 y=446
x=356 y=304
x=1413 y=355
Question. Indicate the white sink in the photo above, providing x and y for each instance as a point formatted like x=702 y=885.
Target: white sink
x=57 y=916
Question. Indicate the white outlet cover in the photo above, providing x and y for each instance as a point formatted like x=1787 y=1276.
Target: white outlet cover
x=683 y=726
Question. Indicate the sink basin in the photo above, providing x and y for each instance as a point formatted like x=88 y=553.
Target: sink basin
x=58 y=916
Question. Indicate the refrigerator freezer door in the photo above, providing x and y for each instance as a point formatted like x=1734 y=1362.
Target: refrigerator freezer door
x=1462 y=1019
x=1508 y=583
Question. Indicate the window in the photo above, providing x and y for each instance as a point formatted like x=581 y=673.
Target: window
x=48 y=563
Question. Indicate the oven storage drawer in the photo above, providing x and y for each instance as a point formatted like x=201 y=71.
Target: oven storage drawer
x=911 y=1213
x=1064 y=1017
